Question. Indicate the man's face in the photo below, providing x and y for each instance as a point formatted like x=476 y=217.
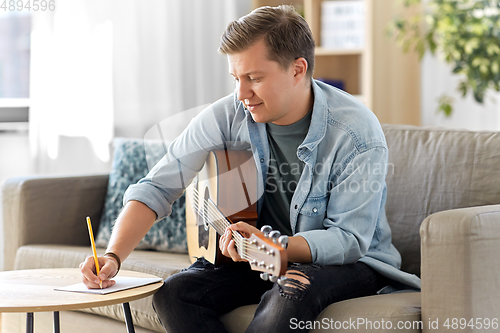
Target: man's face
x=264 y=87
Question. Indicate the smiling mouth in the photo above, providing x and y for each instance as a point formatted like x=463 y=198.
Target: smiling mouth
x=252 y=107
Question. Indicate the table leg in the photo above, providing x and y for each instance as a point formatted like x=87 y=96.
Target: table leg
x=128 y=318
x=29 y=322
x=56 y=322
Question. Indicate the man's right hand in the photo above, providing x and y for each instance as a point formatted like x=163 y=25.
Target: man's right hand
x=108 y=268
x=131 y=225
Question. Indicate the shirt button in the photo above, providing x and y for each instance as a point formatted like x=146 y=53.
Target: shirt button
x=295 y=206
x=315 y=210
x=261 y=160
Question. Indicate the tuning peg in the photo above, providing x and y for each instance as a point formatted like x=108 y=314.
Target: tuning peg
x=282 y=280
x=273 y=278
x=283 y=240
x=266 y=230
x=274 y=235
x=264 y=276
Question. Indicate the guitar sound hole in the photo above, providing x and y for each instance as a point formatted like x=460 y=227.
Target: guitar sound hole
x=203 y=235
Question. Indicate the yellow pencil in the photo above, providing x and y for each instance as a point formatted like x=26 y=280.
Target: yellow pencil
x=89 y=225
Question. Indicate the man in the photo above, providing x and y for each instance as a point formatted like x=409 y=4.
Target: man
x=321 y=157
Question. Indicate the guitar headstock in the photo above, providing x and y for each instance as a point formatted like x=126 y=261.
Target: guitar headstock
x=268 y=255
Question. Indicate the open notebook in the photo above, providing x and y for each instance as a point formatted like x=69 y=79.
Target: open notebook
x=122 y=283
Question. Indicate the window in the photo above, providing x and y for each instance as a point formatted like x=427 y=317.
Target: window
x=15 y=30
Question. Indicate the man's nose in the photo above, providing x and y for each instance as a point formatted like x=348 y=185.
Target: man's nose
x=244 y=91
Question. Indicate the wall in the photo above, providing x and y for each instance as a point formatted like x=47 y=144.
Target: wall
x=467 y=114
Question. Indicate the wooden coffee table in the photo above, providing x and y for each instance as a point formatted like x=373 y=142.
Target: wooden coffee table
x=33 y=291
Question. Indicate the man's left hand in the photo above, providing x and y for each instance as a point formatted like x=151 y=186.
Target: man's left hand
x=226 y=241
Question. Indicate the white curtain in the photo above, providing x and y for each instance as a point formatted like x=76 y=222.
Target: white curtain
x=71 y=91
x=109 y=68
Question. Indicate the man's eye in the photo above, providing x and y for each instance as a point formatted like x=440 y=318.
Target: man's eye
x=254 y=79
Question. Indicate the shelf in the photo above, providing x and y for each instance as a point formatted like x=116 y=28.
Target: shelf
x=342 y=67
x=321 y=51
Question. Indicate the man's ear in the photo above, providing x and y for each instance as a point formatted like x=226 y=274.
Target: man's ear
x=299 y=69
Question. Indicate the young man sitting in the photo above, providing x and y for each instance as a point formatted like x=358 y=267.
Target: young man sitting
x=321 y=157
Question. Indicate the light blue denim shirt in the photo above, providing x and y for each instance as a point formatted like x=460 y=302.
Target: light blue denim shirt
x=339 y=203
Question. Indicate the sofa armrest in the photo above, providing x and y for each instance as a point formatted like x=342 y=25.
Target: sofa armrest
x=50 y=210
x=460 y=267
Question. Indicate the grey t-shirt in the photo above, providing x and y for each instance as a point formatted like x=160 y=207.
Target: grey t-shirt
x=283 y=174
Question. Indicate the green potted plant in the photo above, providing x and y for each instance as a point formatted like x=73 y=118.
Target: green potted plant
x=465 y=33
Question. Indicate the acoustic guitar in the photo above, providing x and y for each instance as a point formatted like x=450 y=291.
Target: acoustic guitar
x=225 y=190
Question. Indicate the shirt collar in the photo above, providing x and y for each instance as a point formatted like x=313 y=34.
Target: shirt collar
x=319 y=119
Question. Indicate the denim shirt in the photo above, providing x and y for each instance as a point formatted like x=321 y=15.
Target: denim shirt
x=339 y=204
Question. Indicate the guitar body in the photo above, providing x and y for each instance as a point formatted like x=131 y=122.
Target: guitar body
x=229 y=179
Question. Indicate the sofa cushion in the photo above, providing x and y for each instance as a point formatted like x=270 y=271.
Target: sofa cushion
x=380 y=313
x=162 y=264
x=132 y=160
x=432 y=170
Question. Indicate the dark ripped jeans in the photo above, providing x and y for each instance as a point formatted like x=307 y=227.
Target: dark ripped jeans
x=193 y=300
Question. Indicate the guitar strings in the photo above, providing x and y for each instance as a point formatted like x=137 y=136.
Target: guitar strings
x=242 y=242
x=214 y=215
x=219 y=222
x=217 y=219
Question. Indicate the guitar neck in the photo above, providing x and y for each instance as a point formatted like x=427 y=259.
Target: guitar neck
x=216 y=219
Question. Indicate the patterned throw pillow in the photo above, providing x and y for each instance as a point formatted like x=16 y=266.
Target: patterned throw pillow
x=130 y=164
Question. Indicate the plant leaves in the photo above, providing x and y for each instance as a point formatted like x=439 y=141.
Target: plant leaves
x=466 y=33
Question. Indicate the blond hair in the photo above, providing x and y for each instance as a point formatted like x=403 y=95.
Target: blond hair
x=285 y=32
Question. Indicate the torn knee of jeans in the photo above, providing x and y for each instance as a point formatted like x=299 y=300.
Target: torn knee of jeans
x=295 y=284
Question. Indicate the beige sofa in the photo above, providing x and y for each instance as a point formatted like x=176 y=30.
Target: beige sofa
x=433 y=176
